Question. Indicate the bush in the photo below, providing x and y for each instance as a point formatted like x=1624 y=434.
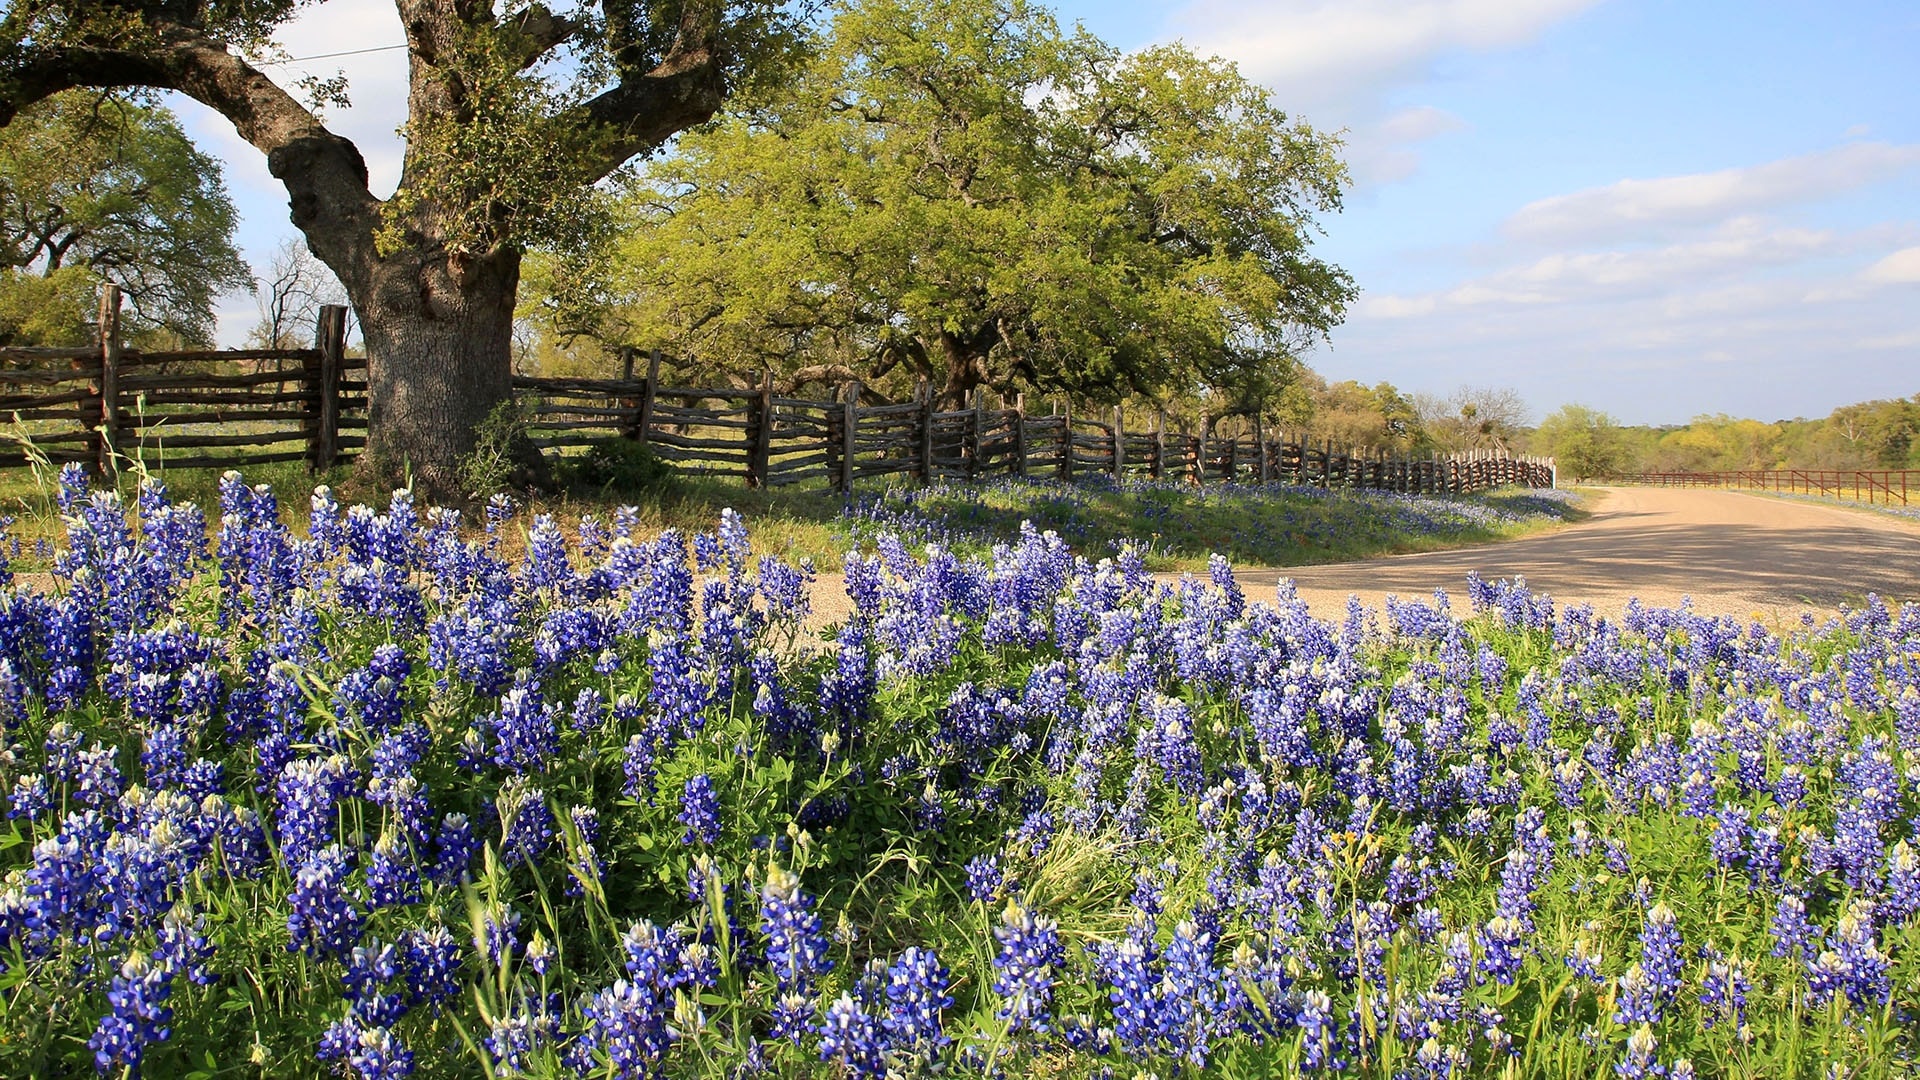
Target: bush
x=619 y=466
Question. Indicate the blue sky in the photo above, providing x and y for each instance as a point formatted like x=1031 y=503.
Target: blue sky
x=1653 y=208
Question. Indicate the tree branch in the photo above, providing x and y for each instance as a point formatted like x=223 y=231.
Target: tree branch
x=324 y=174
x=685 y=88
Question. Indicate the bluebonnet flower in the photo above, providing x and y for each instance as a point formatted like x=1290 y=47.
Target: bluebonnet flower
x=796 y=942
x=1638 y=1062
x=583 y=861
x=1026 y=967
x=455 y=849
x=526 y=822
x=370 y=969
x=1317 y=1028
x=138 y=1014
x=1723 y=992
x=430 y=962
x=526 y=730
x=627 y=1025
x=1502 y=946
x=639 y=765
x=322 y=918
x=917 y=993
x=391 y=877
x=853 y=1039
x=307 y=792
x=1793 y=934
x=1661 y=952
x=1167 y=740
x=985 y=880
x=1862 y=967
x=700 y=812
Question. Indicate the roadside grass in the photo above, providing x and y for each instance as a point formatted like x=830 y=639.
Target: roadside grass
x=1180 y=524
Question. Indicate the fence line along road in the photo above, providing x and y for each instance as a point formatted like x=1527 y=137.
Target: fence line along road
x=100 y=404
x=1890 y=487
x=768 y=440
x=103 y=403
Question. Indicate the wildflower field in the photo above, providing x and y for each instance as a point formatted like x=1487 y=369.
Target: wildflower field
x=368 y=797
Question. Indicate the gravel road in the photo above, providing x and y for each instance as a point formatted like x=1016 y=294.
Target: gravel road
x=1734 y=554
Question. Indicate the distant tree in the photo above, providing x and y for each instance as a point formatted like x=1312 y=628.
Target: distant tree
x=1352 y=415
x=957 y=190
x=1472 y=418
x=1881 y=434
x=1585 y=443
x=93 y=186
x=290 y=293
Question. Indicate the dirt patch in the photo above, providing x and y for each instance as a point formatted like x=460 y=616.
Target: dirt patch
x=1731 y=553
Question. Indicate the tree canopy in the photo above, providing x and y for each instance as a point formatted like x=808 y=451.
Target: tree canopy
x=95 y=186
x=960 y=191
x=516 y=111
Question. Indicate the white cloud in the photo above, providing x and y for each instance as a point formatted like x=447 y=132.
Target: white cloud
x=1901 y=267
x=1650 y=207
x=1909 y=340
x=1574 y=277
x=1383 y=151
x=1318 y=51
x=1334 y=62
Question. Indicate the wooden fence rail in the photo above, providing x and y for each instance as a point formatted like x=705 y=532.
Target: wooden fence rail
x=770 y=440
x=109 y=404
x=1891 y=487
x=106 y=404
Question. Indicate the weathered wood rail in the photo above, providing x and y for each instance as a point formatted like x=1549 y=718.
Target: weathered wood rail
x=768 y=440
x=1891 y=487
x=105 y=405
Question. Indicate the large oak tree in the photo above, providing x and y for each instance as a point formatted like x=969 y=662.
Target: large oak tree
x=961 y=191
x=516 y=110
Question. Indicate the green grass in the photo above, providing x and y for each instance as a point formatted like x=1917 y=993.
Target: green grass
x=1181 y=525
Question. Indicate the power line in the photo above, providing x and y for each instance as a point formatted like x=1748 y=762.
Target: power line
x=331 y=55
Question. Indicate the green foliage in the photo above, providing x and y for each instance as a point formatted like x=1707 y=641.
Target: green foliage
x=621 y=467
x=958 y=190
x=1864 y=435
x=94 y=185
x=1584 y=442
x=51 y=309
x=497 y=448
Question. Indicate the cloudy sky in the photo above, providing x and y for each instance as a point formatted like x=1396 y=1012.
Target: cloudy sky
x=1653 y=208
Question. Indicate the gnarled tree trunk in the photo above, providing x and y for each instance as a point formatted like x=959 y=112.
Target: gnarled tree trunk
x=439 y=340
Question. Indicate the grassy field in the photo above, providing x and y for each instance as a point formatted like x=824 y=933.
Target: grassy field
x=1178 y=525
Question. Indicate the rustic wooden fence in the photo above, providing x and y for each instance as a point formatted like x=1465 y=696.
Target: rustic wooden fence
x=1890 y=487
x=104 y=405
x=769 y=439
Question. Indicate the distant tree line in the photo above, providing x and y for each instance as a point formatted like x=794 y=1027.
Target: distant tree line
x=1883 y=434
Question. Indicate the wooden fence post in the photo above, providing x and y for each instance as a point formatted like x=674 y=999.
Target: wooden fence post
x=1066 y=442
x=330 y=341
x=629 y=403
x=925 y=392
x=643 y=429
x=1160 y=444
x=978 y=421
x=1020 y=434
x=849 y=419
x=106 y=438
x=760 y=450
x=1260 y=440
x=1119 y=443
